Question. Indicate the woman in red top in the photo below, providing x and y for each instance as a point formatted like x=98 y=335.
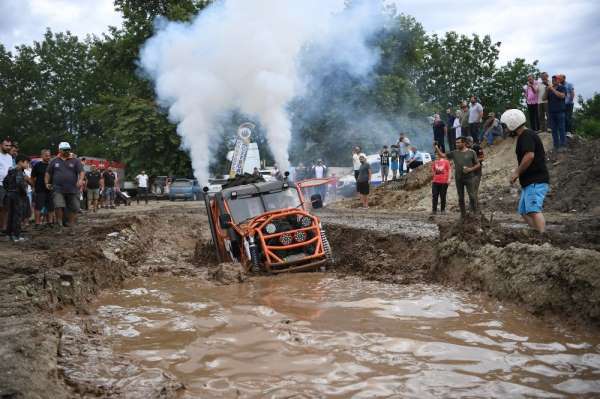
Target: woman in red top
x=439 y=185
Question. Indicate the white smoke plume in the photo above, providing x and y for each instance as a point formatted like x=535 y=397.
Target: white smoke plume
x=243 y=55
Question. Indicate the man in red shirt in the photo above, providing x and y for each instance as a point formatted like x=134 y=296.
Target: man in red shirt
x=440 y=169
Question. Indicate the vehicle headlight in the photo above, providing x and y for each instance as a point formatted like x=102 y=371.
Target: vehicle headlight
x=304 y=221
x=300 y=236
x=270 y=228
x=285 y=239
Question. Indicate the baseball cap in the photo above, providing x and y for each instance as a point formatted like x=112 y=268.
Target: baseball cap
x=64 y=146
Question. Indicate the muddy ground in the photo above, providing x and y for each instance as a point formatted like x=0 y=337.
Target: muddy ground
x=46 y=290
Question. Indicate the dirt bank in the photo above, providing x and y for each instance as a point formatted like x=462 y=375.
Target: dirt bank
x=556 y=274
x=64 y=272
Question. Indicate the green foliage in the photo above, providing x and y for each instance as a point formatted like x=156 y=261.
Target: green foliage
x=140 y=135
x=457 y=67
x=587 y=117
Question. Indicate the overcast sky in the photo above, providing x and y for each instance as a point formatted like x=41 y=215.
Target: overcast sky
x=564 y=35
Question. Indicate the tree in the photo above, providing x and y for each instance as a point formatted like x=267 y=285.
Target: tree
x=140 y=136
x=587 y=117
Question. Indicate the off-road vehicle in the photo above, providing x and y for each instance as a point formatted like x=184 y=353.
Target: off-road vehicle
x=266 y=226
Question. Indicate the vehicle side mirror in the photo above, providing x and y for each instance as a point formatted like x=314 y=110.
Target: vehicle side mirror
x=225 y=221
x=316 y=201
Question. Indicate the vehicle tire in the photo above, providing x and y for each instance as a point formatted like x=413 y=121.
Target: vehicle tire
x=254 y=258
x=327 y=250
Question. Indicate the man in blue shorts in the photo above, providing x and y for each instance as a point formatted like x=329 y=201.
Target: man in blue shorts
x=531 y=172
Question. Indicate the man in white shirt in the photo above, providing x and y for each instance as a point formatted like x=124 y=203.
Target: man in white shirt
x=142 y=182
x=475 y=116
x=6 y=163
x=319 y=169
x=355 y=161
x=404 y=149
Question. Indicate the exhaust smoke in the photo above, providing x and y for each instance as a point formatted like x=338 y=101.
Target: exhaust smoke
x=244 y=55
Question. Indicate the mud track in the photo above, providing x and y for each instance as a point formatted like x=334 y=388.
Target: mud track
x=46 y=290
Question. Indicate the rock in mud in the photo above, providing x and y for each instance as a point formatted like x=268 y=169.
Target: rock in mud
x=228 y=273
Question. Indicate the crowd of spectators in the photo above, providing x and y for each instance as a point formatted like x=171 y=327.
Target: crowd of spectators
x=51 y=191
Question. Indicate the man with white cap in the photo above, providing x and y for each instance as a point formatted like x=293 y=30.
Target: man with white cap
x=531 y=172
x=65 y=177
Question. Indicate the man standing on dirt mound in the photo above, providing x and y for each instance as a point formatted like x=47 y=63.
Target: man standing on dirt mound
x=531 y=172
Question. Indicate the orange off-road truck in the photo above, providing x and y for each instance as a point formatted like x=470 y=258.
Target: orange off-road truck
x=266 y=226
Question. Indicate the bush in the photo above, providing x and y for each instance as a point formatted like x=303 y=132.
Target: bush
x=587 y=117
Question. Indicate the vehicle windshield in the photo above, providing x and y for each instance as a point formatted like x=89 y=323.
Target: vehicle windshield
x=245 y=208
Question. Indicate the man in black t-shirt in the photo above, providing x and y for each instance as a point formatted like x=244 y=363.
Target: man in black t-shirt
x=42 y=197
x=108 y=188
x=531 y=172
x=92 y=187
x=384 y=159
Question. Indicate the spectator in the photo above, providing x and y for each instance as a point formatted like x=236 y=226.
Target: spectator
x=364 y=180
x=451 y=130
x=475 y=116
x=28 y=203
x=530 y=91
x=356 y=161
x=531 y=172
x=394 y=160
x=556 y=94
x=569 y=104
x=14 y=151
x=477 y=174
x=415 y=159
x=93 y=181
x=404 y=149
x=464 y=120
x=384 y=159
x=42 y=198
x=142 y=182
x=255 y=173
x=110 y=180
x=319 y=170
x=491 y=129
x=544 y=119
x=439 y=131
x=64 y=176
x=440 y=169
x=6 y=163
x=15 y=186
x=465 y=163
x=456 y=127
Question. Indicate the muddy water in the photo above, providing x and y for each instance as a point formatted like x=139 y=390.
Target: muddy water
x=312 y=335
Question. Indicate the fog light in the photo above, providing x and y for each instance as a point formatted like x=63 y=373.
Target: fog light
x=300 y=236
x=270 y=228
x=285 y=239
x=305 y=221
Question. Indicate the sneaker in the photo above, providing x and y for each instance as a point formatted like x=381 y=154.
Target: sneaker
x=16 y=239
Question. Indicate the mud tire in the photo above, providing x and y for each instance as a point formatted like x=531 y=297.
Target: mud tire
x=327 y=250
x=255 y=259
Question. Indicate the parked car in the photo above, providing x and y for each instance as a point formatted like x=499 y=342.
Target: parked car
x=186 y=189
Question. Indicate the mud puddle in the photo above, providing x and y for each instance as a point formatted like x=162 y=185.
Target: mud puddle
x=314 y=335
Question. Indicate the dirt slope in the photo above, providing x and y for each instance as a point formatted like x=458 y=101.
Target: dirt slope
x=574 y=177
